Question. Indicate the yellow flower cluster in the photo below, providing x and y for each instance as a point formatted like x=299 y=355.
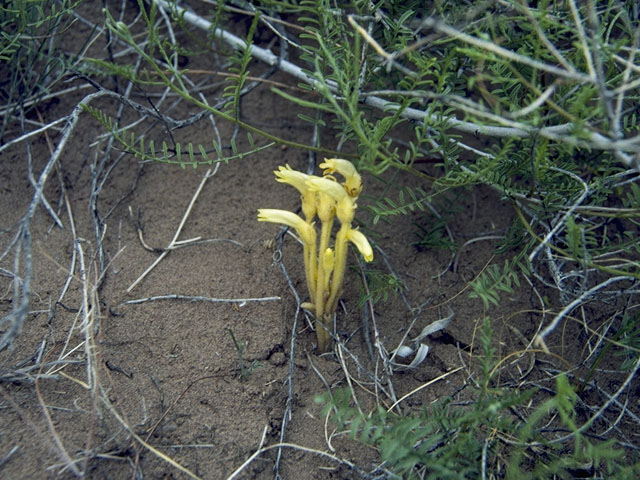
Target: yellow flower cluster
x=323 y=197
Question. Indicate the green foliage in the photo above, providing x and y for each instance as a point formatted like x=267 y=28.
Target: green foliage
x=30 y=62
x=628 y=337
x=240 y=62
x=563 y=460
x=406 y=443
x=176 y=154
x=388 y=206
x=514 y=239
x=245 y=370
x=577 y=241
x=434 y=235
x=449 y=440
x=493 y=280
x=380 y=286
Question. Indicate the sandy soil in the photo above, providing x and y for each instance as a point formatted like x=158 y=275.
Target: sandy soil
x=114 y=381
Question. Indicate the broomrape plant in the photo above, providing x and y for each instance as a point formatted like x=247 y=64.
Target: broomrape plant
x=325 y=198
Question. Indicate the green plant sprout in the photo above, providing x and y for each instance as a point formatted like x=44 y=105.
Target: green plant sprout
x=244 y=370
x=325 y=198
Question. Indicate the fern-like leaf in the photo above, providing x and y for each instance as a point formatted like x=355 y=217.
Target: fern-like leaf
x=409 y=199
x=489 y=284
x=240 y=61
x=176 y=155
x=380 y=286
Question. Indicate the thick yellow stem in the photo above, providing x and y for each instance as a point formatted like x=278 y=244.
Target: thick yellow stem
x=310 y=267
x=338 y=270
x=322 y=334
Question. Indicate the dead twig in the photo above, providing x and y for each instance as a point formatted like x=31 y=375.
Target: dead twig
x=196 y=298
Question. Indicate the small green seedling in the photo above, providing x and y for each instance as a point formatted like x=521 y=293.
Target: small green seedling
x=244 y=370
x=325 y=198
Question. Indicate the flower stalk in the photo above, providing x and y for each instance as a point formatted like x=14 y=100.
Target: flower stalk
x=323 y=197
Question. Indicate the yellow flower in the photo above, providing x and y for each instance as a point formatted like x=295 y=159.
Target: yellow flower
x=298 y=180
x=353 y=181
x=325 y=267
x=307 y=233
x=362 y=244
x=293 y=177
x=345 y=205
x=305 y=230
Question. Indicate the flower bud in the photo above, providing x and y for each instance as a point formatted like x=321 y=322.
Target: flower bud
x=362 y=244
x=305 y=230
x=345 y=205
x=353 y=181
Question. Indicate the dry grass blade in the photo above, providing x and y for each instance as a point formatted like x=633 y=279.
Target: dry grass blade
x=301 y=448
x=56 y=445
x=161 y=455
